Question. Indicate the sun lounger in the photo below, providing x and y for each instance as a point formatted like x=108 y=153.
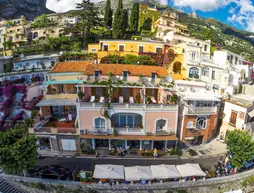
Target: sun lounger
x=131 y=100
x=120 y=99
x=92 y=99
x=101 y=99
x=153 y=100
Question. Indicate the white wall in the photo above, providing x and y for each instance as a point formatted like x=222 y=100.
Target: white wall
x=34 y=91
x=29 y=64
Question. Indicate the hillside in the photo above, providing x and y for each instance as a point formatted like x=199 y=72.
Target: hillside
x=12 y=9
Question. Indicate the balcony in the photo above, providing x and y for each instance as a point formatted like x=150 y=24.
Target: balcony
x=61 y=96
x=129 y=106
x=201 y=110
x=100 y=131
x=130 y=131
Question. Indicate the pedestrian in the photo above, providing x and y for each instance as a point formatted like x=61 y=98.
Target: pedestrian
x=97 y=154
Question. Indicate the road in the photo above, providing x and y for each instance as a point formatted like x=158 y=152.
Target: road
x=88 y=163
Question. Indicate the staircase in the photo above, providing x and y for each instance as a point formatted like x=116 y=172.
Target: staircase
x=6 y=187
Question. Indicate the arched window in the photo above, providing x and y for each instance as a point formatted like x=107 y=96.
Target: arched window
x=177 y=68
x=194 y=72
x=161 y=124
x=201 y=123
x=131 y=120
x=205 y=71
x=99 y=123
x=35 y=35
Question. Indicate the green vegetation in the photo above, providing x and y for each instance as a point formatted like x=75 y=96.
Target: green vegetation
x=248 y=182
x=42 y=21
x=108 y=14
x=18 y=150
x=147 y=17
x=119 y=23
x=134 y=19
x=8 y=67
x=192 y=152
x=241 y=145
x=175 y=151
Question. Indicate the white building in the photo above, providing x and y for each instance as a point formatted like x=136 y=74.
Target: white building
x=238 y=111
x=35 y=62
x=3 y=61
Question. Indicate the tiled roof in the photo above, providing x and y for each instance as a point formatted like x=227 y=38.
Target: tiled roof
x=105 y=69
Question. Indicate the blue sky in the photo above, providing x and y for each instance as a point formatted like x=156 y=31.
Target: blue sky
x=237 y=13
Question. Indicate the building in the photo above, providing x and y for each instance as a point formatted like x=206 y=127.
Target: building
x=147 y=17
x=44 y=33
x=35 y=62
x=167 y=23
x=111 y=109
x=199 y=111
x=238 y=111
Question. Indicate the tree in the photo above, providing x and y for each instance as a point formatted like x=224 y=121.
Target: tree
x=88 y=14
x=240 y=144
x=18 y=150
x=108 y=14
x=125 y=19
x=118 y=24
x=134 y=19
x=42 y=21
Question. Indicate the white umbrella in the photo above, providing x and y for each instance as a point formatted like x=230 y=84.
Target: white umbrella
x=108 y=172
x=187 y=170
x=165 y=171
x=138 y=173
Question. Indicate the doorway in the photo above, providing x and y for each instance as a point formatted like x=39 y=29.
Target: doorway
x=233 y=118
x=102 y=143
x=160 y=145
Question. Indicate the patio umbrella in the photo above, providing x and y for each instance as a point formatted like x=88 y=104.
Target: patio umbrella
x=187 y=170
x=108 y=172
x=165 y=171
x=136 y=173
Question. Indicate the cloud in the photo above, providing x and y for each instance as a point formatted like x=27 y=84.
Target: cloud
x=202 y=5
x=163 y=2
x=62 y=5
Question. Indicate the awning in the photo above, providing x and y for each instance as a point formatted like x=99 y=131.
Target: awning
x=165 y=171
x=56 y=102
x=63 y=82
x=136 y=173
x=251 y=113
x=188 y=170
x=108 y=172
x=189 y=138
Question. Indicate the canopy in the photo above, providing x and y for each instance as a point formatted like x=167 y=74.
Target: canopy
x=63 y=82
x=108 y=172
x=136 y=173
x=187 y=170
x=56 y=102
x=251 y=113
x=165 y=171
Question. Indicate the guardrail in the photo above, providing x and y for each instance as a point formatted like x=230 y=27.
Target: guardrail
x=202 y=110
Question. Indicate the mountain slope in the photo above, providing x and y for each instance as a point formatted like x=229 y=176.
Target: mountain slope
x=11 y=9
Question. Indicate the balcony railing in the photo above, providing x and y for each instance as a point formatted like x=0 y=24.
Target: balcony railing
x=130 y=130
x=61 y=96
x=129 y=106
x=43 y=130
x=100 y=131
x=202 y=110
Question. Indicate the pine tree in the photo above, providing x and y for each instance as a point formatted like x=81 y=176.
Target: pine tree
x=118 y=24
x=125 y=19
x=108 y=14
x=134 y=19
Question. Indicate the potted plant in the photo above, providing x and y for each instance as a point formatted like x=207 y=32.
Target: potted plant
x=115 y=132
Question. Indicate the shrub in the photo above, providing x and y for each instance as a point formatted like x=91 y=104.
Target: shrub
x=192 y=152
x=175 y=151
x=248 y=182
x=182 y=191
x=136 y=37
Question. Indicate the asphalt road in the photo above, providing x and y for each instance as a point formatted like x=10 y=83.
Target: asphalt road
x=88 y=163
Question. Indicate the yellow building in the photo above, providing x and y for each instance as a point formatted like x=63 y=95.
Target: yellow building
x=173 y=54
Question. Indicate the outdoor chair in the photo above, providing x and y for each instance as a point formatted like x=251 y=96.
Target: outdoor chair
x=131 y=100
x=92 y=99
x=153 y=100
x=101 y=99
x=120 y=99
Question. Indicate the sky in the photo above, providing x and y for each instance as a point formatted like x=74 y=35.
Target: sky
x=237 y=13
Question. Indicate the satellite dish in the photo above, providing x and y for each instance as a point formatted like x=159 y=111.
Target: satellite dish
x=169 y=79
x=21 y=56
x=117 y=77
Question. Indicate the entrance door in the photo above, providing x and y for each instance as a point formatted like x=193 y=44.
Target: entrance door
x=69 y=144
x=233 y=117
x=160 y=145
x=102 y=143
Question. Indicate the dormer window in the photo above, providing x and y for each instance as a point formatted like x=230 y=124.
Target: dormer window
x=96 y=74
x=125 y=75
x=153 y=76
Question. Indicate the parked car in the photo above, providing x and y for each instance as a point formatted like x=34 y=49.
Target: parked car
x=55 y=172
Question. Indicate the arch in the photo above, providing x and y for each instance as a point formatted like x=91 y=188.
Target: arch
x=99 y=123
x=35 y=35
x=147 y=24
x=130 y=120
x=161 y=124
x=194 y=72
x=201 y=123
x=177 y=66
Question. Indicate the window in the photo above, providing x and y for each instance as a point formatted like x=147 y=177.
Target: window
x=153 y=77
x=205 y=71
x=130 y=120
x=125 y=75
x=105 y=47
x=205 y=48
x=158 y=50
x=94 y=50
x=201 y=123
x=194 y=56
x=121 y=48
x=236 y=60
x=213 y=75
x=194 y=72
x=161 y=124
x=27 y=64
x=96 y=74
x=141 y=49
x=99 y=123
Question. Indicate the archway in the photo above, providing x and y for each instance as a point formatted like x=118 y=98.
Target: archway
x=194 y=72
x=177 y=67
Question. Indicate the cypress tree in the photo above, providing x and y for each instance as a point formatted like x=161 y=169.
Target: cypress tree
x=118 y=24
x=125 y=19
x=134 y=19
x=108 y=14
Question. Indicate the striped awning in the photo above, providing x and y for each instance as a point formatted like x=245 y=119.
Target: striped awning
x=56 y=102
x=63 y=82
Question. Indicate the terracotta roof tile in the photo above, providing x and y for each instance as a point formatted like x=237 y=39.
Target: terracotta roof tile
x=105 y=69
